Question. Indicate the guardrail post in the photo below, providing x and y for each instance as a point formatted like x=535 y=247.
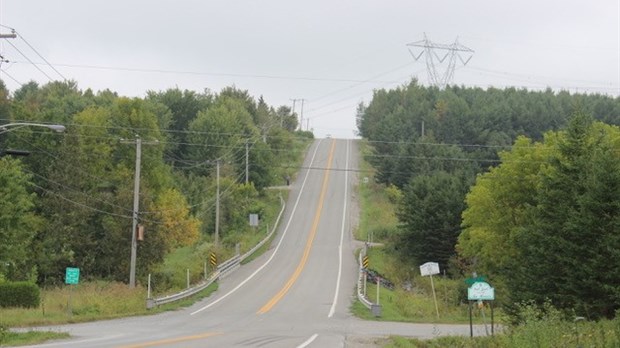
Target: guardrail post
x=375 y=309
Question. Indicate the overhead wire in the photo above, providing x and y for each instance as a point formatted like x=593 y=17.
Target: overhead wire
x=356 y=95
x=30 y=61
x=39 y=54
x=69 y=188
x=81 y=204
x=199 y=73
x=11 y=77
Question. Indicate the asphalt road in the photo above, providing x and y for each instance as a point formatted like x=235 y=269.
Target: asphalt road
x=295 y=295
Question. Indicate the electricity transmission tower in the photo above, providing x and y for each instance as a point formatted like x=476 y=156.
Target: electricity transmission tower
x=436 y=54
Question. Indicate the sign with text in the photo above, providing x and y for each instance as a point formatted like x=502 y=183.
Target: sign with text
x=480 y=291
x=429 y=268
x=72 y=275
x=253 y=220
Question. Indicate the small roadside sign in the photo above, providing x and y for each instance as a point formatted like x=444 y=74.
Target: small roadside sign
x=365 y=261
x=253 y=220
x=480 y=291
x=213 y=259
x=429 y=268
x=72 y=275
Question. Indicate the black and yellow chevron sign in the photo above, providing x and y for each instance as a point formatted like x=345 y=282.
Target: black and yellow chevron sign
x=365 y=261
x=213 y=259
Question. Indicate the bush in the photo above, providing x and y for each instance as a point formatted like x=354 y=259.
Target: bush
x=19 y=294
x=3 y=332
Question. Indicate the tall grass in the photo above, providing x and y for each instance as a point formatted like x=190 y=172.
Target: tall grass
x=82 y=302
x=544 y=333
x=416 y=303
x=378 y=220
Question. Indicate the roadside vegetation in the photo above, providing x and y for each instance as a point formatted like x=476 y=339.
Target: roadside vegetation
x=98 y=300
x=71 y=199
x=507 y=186
x=412 y=301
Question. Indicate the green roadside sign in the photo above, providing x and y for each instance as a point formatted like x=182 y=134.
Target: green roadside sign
x=72 y=275
x=471 y=281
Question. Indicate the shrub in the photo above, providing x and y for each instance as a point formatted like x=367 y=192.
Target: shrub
x=3 y=332
x=19 y=294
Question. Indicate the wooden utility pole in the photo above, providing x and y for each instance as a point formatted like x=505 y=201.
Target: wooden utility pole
x=136 y=201
x=217 y=205
x=247 y=162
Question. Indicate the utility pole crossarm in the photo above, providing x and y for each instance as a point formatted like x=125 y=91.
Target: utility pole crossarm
x=12 y=35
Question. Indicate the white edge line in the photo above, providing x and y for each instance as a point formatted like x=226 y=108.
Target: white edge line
x=301 y=190
x=332 y=310
x=308 y=341
x=67 y=341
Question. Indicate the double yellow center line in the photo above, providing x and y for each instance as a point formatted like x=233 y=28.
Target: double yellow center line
x=302 y=263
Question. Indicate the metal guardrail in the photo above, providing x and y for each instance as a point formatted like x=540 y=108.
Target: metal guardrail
x=223 y=269
x=229 y=266
x=152 y=302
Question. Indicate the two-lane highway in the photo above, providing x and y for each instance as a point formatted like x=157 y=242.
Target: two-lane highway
x=295 y=295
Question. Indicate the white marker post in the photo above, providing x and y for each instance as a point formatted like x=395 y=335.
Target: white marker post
x=428 y=269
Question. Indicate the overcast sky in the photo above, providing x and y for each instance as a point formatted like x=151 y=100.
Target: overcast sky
x=332 y=53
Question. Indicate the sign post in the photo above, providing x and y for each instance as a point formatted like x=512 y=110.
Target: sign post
x=72 y=277
x=480 y=291
x=428 y=269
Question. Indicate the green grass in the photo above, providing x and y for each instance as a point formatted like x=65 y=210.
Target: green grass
x=28 y=338
x=546 y=333
x=378 y=219
x=84 y=302
x=88 y=302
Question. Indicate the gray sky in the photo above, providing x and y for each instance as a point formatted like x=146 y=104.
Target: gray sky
x=332 y=53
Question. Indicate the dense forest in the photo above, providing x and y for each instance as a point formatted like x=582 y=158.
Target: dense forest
x=522 y=187
x=70 y=201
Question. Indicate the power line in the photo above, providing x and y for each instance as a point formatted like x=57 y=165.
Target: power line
x=11 y=77
x=65 y=187
x=80 y=204
x=31 y=62
x=199 y=73
x=40 y=56
x=371 y=79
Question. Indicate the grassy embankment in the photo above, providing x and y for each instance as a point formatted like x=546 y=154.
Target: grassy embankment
x=379 y=224
x=550 y=329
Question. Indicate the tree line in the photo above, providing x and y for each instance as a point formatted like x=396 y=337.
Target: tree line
x=517 y=185
x=70 y=201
